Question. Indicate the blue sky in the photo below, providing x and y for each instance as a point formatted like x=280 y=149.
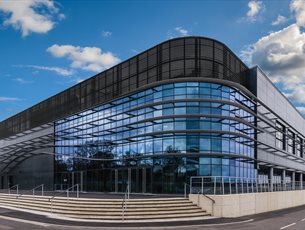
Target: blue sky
x=47 y=46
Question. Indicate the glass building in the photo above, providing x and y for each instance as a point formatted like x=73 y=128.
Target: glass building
x=158 y=138
x=186 y=107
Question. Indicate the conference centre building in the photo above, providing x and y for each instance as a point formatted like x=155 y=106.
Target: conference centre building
x=184 y=109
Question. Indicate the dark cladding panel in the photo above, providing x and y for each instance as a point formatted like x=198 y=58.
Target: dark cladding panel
x=177 y=58
x=152 y=58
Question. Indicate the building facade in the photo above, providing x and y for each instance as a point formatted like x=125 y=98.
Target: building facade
x=186 y=107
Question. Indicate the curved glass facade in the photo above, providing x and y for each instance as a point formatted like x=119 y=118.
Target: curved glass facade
x=158 y=138
x=187 y=57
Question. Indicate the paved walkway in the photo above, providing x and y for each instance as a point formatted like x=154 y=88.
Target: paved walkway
x=7 y=213
x=289 y=219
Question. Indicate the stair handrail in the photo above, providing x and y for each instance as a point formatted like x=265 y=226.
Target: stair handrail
x=72 y=187
x=124 y=203
x=185 y=189
x=32 y=190
x=42 y=189
x=211 y=199
x=14 y=186
x=67 y=193
x=52 y=198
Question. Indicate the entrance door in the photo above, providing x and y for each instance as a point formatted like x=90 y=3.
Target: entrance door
x=107 y=179
x=146 y=179
x=139 y=179
x=169 y=180
x=123 y=177
x=77 y=178
x=63 y=180
x=135 y=180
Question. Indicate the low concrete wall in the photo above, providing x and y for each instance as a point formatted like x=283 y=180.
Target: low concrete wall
x=247 y=204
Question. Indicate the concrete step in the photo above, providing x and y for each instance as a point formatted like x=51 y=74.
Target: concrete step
x=105 y=212
x=101 y=208
x=110 y=216
x=92 y=200
x=97 y=202
x=160 y=209
x=140 y=217
x=130 y=203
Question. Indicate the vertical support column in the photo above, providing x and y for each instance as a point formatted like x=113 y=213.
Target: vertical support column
x=138 y=185
x=81 y=180
x=293 y=181
x=7 y=181
x=116 y=180
x=271 y=178
x=72 y=180
x=144 y=180
x=284 y=179
x=129 y=179
x=301 y=181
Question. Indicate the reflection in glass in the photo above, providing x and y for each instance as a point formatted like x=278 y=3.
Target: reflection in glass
x=158 y=136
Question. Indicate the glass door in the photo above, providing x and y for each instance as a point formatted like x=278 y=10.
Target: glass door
x=135 y=179
x=147 y=180
x=63 y=181
x=122 y=179
x=139 y=179
x=77 y=178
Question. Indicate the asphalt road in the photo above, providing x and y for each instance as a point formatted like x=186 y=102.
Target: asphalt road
x=289 y=219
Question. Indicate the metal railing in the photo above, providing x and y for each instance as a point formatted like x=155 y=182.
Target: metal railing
x=39 y=186
x=186 y=185
x=27 y=192
x=31 y=191
x=14 y=186
x=72 y=187
x=218 y=185
x=124 y=203
x=211 y=199
x=67 y=191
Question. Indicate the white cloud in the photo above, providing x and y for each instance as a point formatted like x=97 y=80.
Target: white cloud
x=106 y=34
x=21 y=81
x=279 y=20
x=9 y=99
x=37 y=16
x=255 y=7
x=181 y=31
x=178 y=32
x=85 y=58
x=57 y=70
x=282 y=55
x=61 y=16
x=298 y=8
